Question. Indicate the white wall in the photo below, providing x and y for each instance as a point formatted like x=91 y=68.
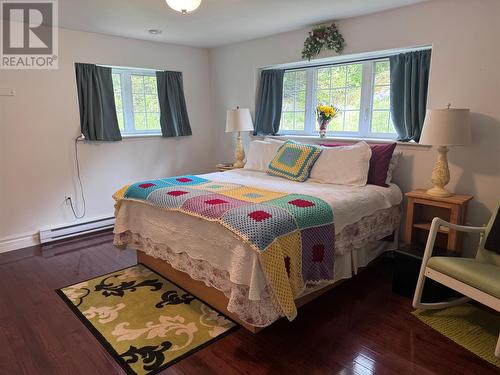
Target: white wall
x=38 y=125
x=465 y=71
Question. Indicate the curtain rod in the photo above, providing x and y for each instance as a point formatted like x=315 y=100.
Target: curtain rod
x=138 y=69
x=130 y=67
x=347 y=62
x=126 y=67
x=344 y=60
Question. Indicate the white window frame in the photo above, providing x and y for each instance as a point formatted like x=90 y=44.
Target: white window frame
x=366 y=104
x=127 y=100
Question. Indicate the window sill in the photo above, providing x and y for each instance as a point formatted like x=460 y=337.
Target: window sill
x=126 y=137
x=316 y=139
x=145 y=135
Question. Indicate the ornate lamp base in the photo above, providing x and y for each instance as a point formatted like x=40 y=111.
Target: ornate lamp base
x=239 y=153
x=438 y=192
x=440 y=175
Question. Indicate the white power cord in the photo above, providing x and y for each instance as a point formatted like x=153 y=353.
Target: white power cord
x=80 y=183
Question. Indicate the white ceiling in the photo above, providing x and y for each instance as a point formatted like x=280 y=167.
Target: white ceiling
x=215 y=23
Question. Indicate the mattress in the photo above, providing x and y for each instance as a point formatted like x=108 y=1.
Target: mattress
x=361 y=214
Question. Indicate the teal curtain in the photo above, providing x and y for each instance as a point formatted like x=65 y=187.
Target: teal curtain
x=409 y=84
x=269 y=102
x=174 y=118
x=96 y=99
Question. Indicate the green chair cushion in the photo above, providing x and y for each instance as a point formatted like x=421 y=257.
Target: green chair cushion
x=482 y=276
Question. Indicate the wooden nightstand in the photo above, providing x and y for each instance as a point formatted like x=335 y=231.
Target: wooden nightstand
x=225 y=167
x=422 y=208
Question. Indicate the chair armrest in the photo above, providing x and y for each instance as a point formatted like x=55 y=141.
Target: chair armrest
x=460 y=228
x=431 y=239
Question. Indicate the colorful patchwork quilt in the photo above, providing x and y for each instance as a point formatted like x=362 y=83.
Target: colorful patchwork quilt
x=293 y=233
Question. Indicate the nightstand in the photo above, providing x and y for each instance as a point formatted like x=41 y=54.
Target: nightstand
x=422 y=208
x=226 y=167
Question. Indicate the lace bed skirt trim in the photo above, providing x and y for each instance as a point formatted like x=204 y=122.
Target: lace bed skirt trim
x=256 y=313
x=265 y=311
x=370 y=228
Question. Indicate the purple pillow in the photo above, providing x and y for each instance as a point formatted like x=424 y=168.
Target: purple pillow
x=379 y=162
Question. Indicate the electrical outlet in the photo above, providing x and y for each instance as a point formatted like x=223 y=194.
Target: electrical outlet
x=68 y=199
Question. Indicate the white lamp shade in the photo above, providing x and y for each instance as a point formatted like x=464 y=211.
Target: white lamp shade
x=239 y=120
x=446 y=127
x=184 y=6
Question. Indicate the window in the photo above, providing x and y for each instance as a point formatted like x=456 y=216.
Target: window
x=136 y=99
x=341 y=86
x=294 y=100
x=381 y=112
x=360 y=90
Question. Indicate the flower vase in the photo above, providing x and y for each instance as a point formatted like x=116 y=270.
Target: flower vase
x=322 y=128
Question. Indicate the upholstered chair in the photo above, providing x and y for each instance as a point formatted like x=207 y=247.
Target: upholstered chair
x=476 y=278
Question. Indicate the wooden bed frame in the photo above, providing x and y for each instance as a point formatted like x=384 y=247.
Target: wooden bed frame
x=209 y=295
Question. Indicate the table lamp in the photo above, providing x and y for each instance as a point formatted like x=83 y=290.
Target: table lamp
x=443 y=128
x=239 y=120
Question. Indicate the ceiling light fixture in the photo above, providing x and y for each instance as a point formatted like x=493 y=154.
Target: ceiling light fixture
x=184 y=6
x=154 y=31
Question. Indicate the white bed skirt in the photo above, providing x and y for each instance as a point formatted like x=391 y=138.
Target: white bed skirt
x=210 y=253
x=259 y=313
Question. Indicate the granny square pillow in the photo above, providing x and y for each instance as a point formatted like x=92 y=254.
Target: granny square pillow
x=294 y=161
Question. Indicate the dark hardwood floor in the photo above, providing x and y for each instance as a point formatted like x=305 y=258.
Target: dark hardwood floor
x=360 y=327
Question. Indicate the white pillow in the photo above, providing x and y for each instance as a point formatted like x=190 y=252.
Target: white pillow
x=343 y=165
x=392 y=165
x=260 y=154
x=274 y=140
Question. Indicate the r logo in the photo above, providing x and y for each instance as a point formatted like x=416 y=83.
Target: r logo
x=29 y=33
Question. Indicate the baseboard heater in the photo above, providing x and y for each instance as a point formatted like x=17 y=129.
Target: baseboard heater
x=68 y=231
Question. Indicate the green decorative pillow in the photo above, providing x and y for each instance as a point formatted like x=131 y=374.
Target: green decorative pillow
x=294 y=161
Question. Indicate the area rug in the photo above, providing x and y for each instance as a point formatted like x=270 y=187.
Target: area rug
x=144 y=321
x=471 y=327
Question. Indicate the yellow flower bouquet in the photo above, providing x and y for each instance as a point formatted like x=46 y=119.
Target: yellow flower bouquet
x=325 y=114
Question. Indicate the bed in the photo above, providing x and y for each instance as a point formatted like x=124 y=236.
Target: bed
x=213 y=263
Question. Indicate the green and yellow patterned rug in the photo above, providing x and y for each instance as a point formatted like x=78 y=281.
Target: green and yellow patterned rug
x=144 y=321
x=471 y=327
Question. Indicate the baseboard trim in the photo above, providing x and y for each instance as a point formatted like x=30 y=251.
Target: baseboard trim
x=19 y=242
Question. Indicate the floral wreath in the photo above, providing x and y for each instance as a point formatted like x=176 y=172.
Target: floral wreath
x=323 y=37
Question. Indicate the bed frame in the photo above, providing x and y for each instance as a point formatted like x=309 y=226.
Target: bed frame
x=209 y=295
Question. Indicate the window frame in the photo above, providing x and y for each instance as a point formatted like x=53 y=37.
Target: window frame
x=366 y=101
x=307 y=101
x=127 y=100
